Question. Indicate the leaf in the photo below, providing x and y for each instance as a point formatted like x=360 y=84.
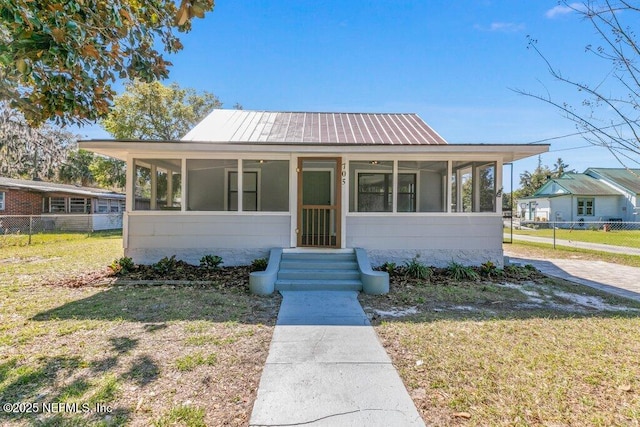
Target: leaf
x=464 y=415
x=625 y=387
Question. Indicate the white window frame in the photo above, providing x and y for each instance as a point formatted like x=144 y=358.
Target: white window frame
x=583 y=201
x=2 y=200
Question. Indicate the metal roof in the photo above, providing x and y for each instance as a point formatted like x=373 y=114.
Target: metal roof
x=578 y=184
x=313 y=128
x=629 y=179
x=51 y=187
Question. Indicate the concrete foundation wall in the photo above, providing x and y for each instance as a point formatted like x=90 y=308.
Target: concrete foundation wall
x=238 y=239
x=438 y=240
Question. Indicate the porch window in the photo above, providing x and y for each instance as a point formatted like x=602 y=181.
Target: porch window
x=208 y=184
x=104 y=206
x=422 y=186
x=586 y=206
x=79 y=205
x=473 y=187
x=158 y=184
x=375 y=192
x=1 y=200
x=266 y=188
x=372 y=186
x=57 y=205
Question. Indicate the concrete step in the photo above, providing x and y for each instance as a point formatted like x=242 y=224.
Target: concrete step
x=318 y=285
x=317 y=264
x=319 y=274
x=315 y=271
x=315 y=256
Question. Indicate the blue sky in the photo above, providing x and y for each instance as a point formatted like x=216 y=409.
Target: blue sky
x=454 y=63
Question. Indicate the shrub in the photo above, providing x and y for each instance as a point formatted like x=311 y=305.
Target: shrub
x=259 y=264
x=123 y=265
x=211 y=262
x=389 y=267
x=460 y=272
x=489 y=269
x=165 y=265
x=416 y=269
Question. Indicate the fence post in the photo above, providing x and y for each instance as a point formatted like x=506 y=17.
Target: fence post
x=554 y=233
x=30 y=227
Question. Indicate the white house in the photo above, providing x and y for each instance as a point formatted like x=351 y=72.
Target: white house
x=597 y=195
x=243 y=182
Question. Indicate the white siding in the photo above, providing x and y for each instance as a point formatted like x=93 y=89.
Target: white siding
x=238 y=239
x=107 y=221
x=438 y=239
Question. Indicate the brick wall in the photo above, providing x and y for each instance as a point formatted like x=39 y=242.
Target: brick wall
x=18 y=202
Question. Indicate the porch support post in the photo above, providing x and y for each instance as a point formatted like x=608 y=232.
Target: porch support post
x=169 y=188
x=240 y=185
x=499 y=186
x=394 y=187
x=183 y=183
x=448 y=184
x=130 y=198
x=154 y=188
x=475 y=188
x=346 y=189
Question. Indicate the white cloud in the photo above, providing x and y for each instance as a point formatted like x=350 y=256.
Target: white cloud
x=503 y=27
x=563 y=10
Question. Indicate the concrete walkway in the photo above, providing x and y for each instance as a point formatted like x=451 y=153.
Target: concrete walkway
x=326 y=367
x=621 y=280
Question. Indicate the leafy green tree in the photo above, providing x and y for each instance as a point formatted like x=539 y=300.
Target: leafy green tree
x=108 y=172
x=154 y=111
x=59 y=59
x=530 y=182
x=76 y=168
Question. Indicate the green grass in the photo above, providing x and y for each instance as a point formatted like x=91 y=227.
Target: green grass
x=544 y=250
x=191 y=361
x=630 y=238
x=189 y=416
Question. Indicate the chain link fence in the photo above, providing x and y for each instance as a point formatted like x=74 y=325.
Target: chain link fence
x=606 y=235
x=20 y=229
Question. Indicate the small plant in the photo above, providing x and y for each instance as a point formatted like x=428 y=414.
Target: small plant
x=459 y=272
x=211 y=262
x=259 y=264
x=416 y=269
x=122 y=266
x=165 y=265
x=389 y=267
x=489 y=269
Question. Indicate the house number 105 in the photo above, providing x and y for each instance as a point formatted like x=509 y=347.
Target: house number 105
x=344 y=173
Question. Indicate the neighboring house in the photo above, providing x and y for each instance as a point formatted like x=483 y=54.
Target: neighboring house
x=242 y=182
x=20 y=197
x=598 y=194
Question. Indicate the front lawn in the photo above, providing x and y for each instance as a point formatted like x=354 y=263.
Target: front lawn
x=123 y=355
x=527 y=351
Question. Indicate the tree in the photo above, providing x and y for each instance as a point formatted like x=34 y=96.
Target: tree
x=608 y=114
x=157 y=112
x=58 y=60
x=27 y=152
x=530 y=182
x=560 y=168
x=108 y=172
x=76 y=168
